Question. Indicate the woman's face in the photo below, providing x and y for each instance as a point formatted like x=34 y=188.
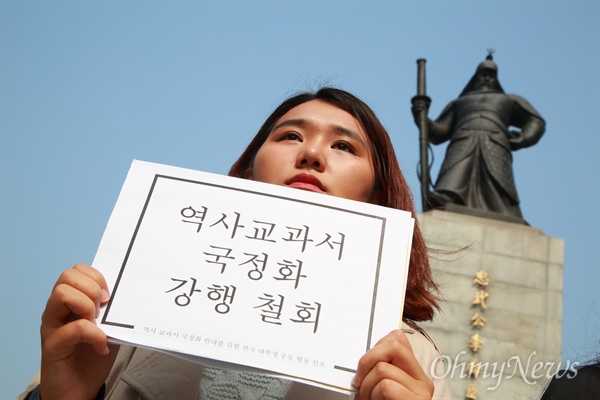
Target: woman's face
x=320 y=148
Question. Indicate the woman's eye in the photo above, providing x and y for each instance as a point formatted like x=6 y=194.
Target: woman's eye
x=290 y=136
x=343 y=146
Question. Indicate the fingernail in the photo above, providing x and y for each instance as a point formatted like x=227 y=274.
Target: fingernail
x=355 y=381
x=104 y=296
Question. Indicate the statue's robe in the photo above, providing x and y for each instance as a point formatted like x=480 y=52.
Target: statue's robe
x=477 y=170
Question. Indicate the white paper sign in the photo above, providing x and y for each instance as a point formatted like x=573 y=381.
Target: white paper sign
x=274 y=278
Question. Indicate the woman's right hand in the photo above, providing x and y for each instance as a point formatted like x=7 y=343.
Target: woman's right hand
x=76 y=357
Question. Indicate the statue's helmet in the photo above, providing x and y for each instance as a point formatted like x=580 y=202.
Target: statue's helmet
x=488 y=64
x=489 y=69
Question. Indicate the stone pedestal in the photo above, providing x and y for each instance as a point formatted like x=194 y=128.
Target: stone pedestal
x=521 y=303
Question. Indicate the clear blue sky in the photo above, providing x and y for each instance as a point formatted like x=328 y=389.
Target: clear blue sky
x=88 y=86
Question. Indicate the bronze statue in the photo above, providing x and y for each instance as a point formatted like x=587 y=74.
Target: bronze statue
x=477 y=171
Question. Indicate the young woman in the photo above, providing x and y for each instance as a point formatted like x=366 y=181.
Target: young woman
x=328 y=142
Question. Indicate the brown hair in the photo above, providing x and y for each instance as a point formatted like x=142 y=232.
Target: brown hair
x=421 y=293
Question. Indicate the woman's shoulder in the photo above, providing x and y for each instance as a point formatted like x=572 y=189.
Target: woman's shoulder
x=419 y=339
x=429 y=357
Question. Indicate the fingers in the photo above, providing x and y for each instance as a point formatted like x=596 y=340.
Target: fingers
x=69 y=317
x=75 y=360
x=390 y=370
x=61 y=342
x=393 y=348
x=386 y=381
x=383 y=382
x=80 y=291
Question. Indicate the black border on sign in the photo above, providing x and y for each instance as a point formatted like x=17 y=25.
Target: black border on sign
x=139 y=223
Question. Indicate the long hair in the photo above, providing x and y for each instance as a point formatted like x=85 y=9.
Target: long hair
x=421 y=292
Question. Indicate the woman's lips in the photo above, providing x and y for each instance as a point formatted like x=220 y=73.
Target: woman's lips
x=306 y=182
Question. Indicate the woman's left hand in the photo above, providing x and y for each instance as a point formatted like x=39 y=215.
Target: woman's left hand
x=390 y=371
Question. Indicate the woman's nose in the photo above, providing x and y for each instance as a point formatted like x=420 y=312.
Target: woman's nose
x=312 y=157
